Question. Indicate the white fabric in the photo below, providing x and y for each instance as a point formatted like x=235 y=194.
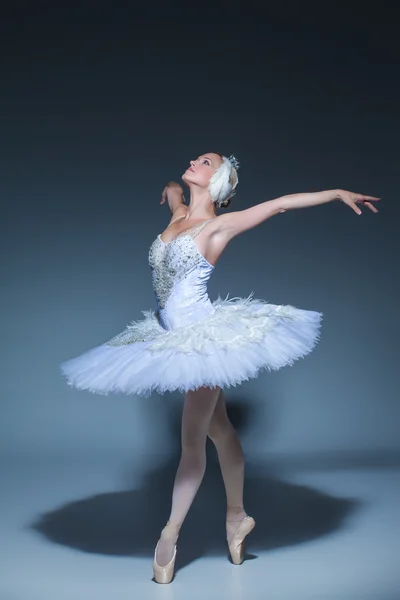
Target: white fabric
x=190 y=341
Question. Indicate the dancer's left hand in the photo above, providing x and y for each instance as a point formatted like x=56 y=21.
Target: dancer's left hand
x=352 y=199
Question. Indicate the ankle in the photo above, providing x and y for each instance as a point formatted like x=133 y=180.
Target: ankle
x=235 y=514
x=170 y=530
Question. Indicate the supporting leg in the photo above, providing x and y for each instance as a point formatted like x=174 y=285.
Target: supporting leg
x=198 y=409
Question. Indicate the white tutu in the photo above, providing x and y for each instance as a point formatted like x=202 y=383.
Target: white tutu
x=190 y=342
x=242 y=336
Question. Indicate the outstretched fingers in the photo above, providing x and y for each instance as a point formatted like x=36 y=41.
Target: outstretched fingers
x=365 y=201
x=371 y=207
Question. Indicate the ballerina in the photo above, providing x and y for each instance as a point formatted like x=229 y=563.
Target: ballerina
x=200 y=347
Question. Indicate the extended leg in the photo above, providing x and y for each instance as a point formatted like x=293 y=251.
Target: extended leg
x=198 y=409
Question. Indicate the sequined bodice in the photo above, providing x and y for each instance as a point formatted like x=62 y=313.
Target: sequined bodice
x=180 y=274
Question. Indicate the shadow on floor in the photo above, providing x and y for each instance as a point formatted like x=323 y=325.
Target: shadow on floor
x=128 y=523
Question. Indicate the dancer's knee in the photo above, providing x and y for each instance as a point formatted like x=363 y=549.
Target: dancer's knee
x=193 y=459
x=220 y=430
x=195 y=446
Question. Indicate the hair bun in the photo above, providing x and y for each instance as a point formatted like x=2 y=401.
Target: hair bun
x=225 y=203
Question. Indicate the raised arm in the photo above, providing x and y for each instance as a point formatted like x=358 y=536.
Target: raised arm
x=173 y=193
x=237 y=222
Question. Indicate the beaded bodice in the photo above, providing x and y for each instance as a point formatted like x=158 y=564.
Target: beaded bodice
x=180 y=274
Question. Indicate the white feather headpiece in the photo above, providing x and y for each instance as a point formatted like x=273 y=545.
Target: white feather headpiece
x=220 y=186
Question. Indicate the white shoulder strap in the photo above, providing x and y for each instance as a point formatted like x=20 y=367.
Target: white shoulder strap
x=195 y=230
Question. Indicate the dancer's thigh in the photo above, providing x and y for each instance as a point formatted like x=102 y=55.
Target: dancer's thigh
x=198 y=409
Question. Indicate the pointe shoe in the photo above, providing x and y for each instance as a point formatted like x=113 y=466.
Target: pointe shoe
x=164 y=574
x=236 y=546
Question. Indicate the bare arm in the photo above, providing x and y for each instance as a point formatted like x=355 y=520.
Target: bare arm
x=173 y=193
x=237 y=222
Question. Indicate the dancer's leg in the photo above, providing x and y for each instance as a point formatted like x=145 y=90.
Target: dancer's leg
x=198 y=409
x=231 y=459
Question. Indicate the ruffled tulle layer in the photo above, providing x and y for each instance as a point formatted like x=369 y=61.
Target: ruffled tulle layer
x=242 y=337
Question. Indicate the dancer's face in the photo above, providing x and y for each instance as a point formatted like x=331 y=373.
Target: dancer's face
x=202 y=169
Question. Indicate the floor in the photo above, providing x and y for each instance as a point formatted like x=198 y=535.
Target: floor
x=83 y=529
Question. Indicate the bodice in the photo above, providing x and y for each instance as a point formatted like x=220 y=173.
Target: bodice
x=180 y=275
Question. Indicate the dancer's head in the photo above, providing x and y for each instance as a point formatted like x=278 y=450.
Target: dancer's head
x=216 y=173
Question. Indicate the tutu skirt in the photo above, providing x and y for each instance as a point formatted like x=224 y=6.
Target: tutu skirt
x=233 y=344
